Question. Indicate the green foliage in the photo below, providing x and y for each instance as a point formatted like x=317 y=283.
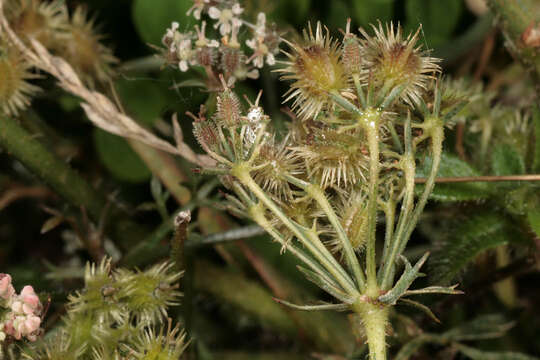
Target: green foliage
x=438 y=18
x=151 y=17
x=119 y=158
x=452 y=166
x=536 y=121
x=506 y=160
x=370 y=11
x=478 y=233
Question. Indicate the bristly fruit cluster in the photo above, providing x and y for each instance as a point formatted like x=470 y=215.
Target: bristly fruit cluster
x=365 y=111
x=74 y=38
x=118 y=315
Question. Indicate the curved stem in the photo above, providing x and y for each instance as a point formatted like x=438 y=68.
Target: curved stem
x=323 y=256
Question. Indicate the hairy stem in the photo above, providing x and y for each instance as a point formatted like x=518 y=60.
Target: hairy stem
x=375 y=320
x=241 y=172
x=371 y=125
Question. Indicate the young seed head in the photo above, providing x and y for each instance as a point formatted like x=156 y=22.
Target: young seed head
x=277 y=161
x=40 y=20
x=81 y=46
x=315 y=70
x=334 y=159
x=391 y=61
x=351 y=52
x=15 y=90
x=229 y=109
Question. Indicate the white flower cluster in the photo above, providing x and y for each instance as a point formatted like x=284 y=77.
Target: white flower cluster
x=186 y=49
x=20 y=313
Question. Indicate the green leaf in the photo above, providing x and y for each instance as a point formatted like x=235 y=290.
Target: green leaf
x=291 y=12
x=152 y=18
x=118 y=157
x=317 y=307
x=480 y=232
x=144 y=100
x=452 y=166
x=327 y=286
x=438 y=18
x=410 y=274
x=367 y=12
x=422 y=308
x=483 y=327
x=536 y=120
x=476 y=354
x=533 y=217
x=411 y=348
x=506 y=160
x=339 y=12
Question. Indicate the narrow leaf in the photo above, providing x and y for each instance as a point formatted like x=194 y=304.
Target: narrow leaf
x=334 y=307
x=483 y=327
x=330 y=287
x=411 y=348
x=476 y=354
x=422 y=308
x=451 y=290
x=409 y=275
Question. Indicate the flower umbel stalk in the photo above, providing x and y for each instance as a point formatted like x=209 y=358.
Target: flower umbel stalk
x=349 y=154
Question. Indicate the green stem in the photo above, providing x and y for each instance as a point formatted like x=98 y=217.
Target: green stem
x=375 y=320
x=55 y=172
x=437 y=138
x=318 y=195
x=409 y=170
x=241 y=172
x=371 y=125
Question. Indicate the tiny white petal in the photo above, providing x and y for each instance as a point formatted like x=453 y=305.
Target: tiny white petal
x=214 y=12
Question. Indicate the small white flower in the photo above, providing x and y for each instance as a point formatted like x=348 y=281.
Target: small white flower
x=260 y=28
x=197 y=8
x=169 y=34
x=202 y=41
x=226 y=18
x=260 y=51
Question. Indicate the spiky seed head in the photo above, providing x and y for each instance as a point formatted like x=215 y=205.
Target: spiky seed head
x=390 y=60
x=81 y=46
x=351 y=52
x=206 y=56
x=229 y=109
x=167 y=344
x=206 y=134
x=334 y=159
x=354 y=219
x=40 y=20
x=15 y=73
x=315 y=70
x=231 y=61
x=276 y=161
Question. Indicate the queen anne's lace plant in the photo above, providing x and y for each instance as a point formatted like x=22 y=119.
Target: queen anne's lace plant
x=226 y=56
